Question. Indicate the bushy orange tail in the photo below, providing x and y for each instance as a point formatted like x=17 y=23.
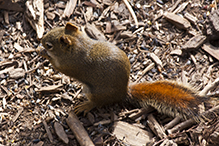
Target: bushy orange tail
x=167 y=97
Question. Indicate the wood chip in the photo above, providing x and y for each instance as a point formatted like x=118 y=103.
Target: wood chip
x=93 y=32
x=178 y=21
x=61 y=133
x=6 y=17
x=34 y=14
x=213 y=51
x=78 y=130
x=191 y=18
x=52 y=88
x=20 y=110
x=130 y=134
x=49 y=134
x=18 y=47
x=156 y=59
x=176 y=52
x=195 y=42
x=181 y=7
x=70 y=6
x=17 y=73
x=41 y=143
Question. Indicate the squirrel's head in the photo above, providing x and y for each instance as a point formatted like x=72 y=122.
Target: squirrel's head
x=58 y=41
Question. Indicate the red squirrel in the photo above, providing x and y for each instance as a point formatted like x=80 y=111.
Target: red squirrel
x=105 y=70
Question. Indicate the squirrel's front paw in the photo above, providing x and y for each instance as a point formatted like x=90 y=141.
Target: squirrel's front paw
x=85 y=107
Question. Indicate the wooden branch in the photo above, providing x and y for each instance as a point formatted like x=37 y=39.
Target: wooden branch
x=78 y=130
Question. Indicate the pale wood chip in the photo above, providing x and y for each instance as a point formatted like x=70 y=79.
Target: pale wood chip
x=130 y=134
x=70 y=6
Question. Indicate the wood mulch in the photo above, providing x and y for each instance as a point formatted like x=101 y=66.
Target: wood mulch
x=163 y=39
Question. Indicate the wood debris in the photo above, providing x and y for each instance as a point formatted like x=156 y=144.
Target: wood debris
x=34 y=14
x=70 y=6
x=60 y=132
x=195 y=42
x=130 y=134
x=164 y=40
x=178 y=21
x=78 y=130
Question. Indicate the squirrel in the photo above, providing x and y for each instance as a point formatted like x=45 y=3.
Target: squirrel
x=105 y=70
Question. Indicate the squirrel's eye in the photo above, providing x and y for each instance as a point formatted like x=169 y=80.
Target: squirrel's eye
x=49 y=45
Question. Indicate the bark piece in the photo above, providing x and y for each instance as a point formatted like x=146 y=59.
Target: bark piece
x=78 y=130
x=61 y=133
x=34 y=15
x=195 y=42
x=214 y=51
x=70 y=6
x=178 y=21
x=94 y=33
x=130 y=134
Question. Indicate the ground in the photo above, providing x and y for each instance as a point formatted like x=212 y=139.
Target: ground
x=32 y=91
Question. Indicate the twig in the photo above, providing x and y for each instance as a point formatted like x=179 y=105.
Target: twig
x=131 y=11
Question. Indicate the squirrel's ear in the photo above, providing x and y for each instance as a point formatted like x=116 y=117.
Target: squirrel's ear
x=65 y=40
x=70 y=26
